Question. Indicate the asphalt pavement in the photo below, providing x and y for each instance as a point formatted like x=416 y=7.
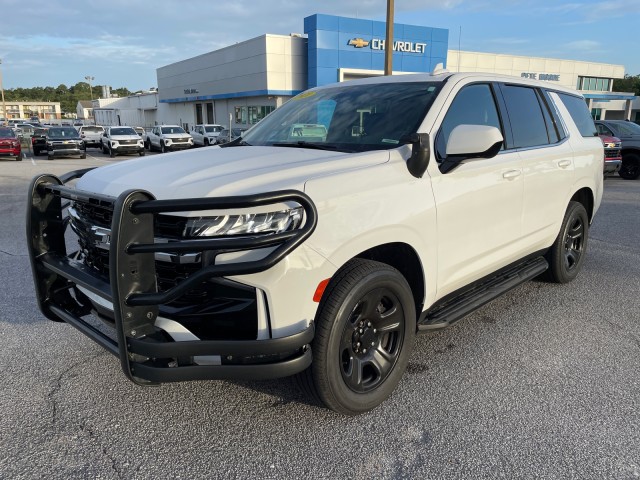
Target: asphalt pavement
x=541 y=383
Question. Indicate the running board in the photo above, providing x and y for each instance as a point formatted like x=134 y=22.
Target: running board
x=449 y=312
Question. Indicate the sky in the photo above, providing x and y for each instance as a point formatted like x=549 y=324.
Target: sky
x=122 y=43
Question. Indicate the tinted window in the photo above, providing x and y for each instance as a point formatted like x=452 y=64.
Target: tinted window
x=123 y=131
x=473 y=105
x=525 y=113
x=93 y=129
x=63 y=132
x=628 y=128
x=7 y=133
x=172 y=130
x=604 y=130
x=579 y=113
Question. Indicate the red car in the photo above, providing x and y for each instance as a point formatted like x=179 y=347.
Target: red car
x=612 y=155
x=9 y=144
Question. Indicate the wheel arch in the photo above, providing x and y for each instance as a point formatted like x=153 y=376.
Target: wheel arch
x=586 y=198
x=406 y=260
x=631 y=150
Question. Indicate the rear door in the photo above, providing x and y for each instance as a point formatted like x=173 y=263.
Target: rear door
x=547 y=161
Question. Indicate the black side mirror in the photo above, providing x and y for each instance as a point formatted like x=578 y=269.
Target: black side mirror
x=420 y=153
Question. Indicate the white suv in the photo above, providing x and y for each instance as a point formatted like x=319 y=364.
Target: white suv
x=321 y=241
x=205 y=135
x=122 y=140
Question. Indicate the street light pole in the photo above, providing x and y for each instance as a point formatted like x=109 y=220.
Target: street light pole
x=89 y=79
x=4 y=105
x=388 y=43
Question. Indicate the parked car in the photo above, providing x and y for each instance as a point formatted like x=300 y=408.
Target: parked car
x=39 y=140
x=206 y=134
x=24 y=129
x=121 y=140
x=612 y=153
x=225 y=137
x=64 y=142
x=92 y=135
x=139 y=131
x=629 y=135
x=9 y=144
x=273 y=256
x=167 y=138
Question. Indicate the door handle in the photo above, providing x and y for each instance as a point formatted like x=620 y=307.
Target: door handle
x=564 y=163
x=511 y=174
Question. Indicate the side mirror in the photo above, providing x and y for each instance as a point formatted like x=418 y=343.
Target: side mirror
x=467 y=142
x=420 y=153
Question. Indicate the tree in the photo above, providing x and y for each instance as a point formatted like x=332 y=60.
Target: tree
x=630 y=83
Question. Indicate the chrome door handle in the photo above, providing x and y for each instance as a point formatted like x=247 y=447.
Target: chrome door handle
x=511 y=174
x=564 y=163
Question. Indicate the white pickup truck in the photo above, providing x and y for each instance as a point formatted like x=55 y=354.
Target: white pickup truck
x=167 y=138
x=321 y=241
x=206 y=134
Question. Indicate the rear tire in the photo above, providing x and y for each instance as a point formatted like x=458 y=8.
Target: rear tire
x=630 y=169
x=365 y=329
x=566 y=255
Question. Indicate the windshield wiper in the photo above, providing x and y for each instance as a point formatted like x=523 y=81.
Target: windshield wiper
x=315 y=146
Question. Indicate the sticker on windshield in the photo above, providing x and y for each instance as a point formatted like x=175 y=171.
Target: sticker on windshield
x=304 y=95
x=389 y=140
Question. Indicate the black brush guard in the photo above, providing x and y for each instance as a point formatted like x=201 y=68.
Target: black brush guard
x=132 y=280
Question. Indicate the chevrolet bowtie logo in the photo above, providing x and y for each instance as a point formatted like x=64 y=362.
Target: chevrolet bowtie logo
x=358 y=42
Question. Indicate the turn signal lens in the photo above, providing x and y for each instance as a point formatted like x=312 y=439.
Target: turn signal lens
x=320 y=290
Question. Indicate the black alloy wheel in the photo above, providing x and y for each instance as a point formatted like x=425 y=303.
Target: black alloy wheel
x=372 y=340
x=163 y=148
x=365 y=328
x=630 y=169
x=567 y=254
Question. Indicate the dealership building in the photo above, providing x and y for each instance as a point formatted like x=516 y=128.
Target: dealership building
x=242 y=83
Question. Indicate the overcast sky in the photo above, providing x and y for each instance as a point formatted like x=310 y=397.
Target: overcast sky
x=121 y=43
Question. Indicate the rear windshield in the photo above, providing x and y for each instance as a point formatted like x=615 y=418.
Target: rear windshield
x=7 y=133
x=172 y=130
x=67 y=132
x=93 y=129
x=123 y=131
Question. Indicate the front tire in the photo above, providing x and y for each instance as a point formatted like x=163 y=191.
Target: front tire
x=141 y=153
x=19 y=157
x=365 y=329
x=49 y=157
x=163 y=148
x=567 y=254
x=630 y=169
x=111 y=152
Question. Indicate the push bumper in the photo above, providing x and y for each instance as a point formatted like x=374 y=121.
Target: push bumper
x=146 y=356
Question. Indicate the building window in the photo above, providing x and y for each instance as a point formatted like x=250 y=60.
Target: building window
x=198 y=113
x=596 y=113
x=597 y=84
x=210 y=117
x=241 y=115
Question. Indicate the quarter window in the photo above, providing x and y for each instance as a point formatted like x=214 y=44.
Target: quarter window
x=580 y=114
x=525 y=113
x=473 y=105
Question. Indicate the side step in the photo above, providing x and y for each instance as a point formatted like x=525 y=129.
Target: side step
x=442 y=315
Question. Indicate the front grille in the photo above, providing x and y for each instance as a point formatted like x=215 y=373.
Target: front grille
x=179 y=140
x=128 y=142
x=611 y=153
x=167 y=227
x=64 y=146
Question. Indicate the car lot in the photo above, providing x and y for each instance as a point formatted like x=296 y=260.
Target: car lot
x=541 y=383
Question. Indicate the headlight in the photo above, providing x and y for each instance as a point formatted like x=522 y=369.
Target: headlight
x=271 y=222
x=49 y=144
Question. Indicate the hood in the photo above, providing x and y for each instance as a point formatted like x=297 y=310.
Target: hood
x=608 y=139
x=126 y=137
x=219 y=171
x=176 y=135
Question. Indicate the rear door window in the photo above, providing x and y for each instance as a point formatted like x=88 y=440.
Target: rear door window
x=525 y=114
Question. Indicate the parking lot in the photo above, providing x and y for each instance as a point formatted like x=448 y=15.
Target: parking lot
x=541 y=383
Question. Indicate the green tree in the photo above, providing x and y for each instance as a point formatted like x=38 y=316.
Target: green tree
x=630 y=83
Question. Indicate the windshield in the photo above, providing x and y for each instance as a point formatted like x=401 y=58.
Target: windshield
x=62 y=133
x=7 y=133
x=172 y=130
x=123 y=131
x=348 y=118
x=213 y=128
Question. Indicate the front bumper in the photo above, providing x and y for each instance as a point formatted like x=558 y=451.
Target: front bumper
x=124 y=149
x=612 y=166
x=10 y=152
x=147 y=356
x=178 y=146
x=65 y=152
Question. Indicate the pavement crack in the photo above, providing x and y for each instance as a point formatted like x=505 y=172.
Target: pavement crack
x=13 y=254
x=86 y=428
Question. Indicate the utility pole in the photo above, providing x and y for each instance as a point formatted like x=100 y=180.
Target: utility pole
x=4 y=105
x=388 y=44
x=90 y=79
